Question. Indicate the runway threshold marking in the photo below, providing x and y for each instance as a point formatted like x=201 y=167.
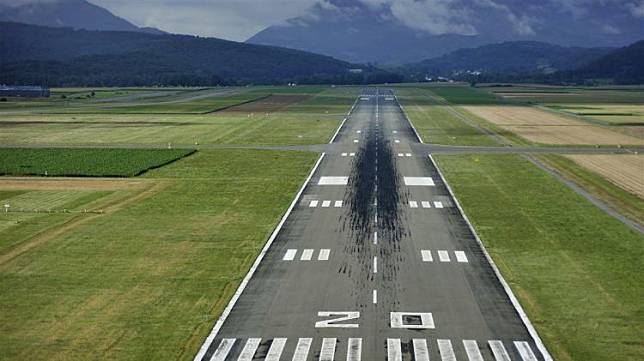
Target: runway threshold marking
x=354 y=349
x=426 y=255
x=333 y=181
x=525 y=351
x=472 y=350
x=249 y=349
x=327 y=352
x=499 y=351
x=413 y=204
x=302 y=349
x=276 y=349
x=290 y=255
x=222 y=351
x=426 y=204
x=446 y=350
x=313 y=204
x=443 y=256
x=324 y=255
x=307 y=255
x=461 y=257
x=421 y=351
x=419 y=181
x=394 y=349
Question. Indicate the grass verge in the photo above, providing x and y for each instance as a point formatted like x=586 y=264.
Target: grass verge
x=85 y=162
x=576 y=270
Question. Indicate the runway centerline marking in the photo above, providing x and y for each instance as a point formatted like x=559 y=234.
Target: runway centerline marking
x=375 y=264
x=375 y=297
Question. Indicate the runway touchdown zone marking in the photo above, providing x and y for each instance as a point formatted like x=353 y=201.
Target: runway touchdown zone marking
x=326 y=204
x=443 y=256
x=419 y=181
x=306 y=255
x=427 y=204
x=333 y=181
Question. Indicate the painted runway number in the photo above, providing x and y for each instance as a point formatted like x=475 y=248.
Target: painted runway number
x=338 y=317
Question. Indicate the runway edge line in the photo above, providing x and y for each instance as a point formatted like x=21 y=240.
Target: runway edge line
x=515 y=302
x=267 y=246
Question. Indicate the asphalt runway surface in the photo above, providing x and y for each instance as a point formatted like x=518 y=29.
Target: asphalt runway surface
x=375 y=262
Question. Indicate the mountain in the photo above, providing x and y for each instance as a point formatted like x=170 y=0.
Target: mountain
x=77 y=14
x=509 y=58
x=64 y=56
x=623 y=66
x=407 y=31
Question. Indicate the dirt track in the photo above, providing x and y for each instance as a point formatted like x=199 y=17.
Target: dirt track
x=625 y=171
x=549 y=128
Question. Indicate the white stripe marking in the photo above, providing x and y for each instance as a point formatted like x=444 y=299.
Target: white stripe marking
x=419 y=181
x=327 y=352
x=472 y=350
x=352 y=154
x=326 y=204
x=338 y=204
x=397 y=141
x=438 y=204
x=222 y=351
x=355 y=141
x=426 y=204
x=313 y=204
x=307 y=255
x=443 y=256
x=324 y=255
x=344 y=154
x=395 y=132
x=525 y=351
x=249 y=349
x=397 y=320
x=375 y=264
x=407 y=154
x=500 y=354
x=354 y=349
x=421 y=352
x=375 y=296
x=302 y=349
x=394 y=351
x=333 y=181
x=427 y=255
x=401 y=155
x=275 y=351
x=461 y=257
x=375 y=236
x=290 y=255
x=413 y=204
x=358 y=131
x=446 y=350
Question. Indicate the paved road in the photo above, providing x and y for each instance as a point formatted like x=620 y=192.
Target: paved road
x=369 y=266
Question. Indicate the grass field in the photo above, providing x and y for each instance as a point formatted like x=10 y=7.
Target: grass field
x=146 y=279
x=575 y=269
x=85 y=162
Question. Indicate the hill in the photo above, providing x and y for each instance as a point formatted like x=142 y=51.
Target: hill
x=623 y=66
x=508 y=58
x=77 y=14
x=63 y=56
x=406 y=31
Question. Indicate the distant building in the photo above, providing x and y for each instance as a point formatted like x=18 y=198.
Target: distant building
x=24 y=91
x=355 y=71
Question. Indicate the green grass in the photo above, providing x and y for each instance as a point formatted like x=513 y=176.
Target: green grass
x=576 y=270
x=85 y=162
x=148 y=281
x=465 y=95
x=439 y=123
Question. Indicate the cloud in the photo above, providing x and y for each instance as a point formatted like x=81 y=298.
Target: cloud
x=522 y=24
x=636 y=8
x=609 y=29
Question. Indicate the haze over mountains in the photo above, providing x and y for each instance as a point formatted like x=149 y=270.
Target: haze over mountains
x=406 y=31
x=77 y=14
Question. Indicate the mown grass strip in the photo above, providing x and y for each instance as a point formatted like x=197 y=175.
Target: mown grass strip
x=575 y=269
x=85 y=162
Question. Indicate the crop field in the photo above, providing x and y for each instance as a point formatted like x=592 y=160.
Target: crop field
x=626 y=171
x=569 y=95
x=575 y=269
x=612 y=114
x=85 y=162
x=461 y=95
x=147 y=278
x=549 y=128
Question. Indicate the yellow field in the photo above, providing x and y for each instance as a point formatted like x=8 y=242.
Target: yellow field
x=548 y=128
x=625 y=171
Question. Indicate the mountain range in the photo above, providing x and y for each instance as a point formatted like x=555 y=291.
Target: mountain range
x=77 y=14
x=406 y=31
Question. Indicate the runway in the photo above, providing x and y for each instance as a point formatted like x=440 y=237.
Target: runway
x=374 y=262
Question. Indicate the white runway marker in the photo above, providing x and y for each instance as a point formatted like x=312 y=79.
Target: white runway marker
x=446 y=350
x=394 y=351
x=375 y=296
x=427 y=255
x=313 y=204
x=307 y=255
x=426 y=204
x=500 y=354
x=438 y=204
x=326 y=204
x=407 y=154
x=333 y=181
x=472 y=350
x=525 y=351
x=421 y=352
x=352 y=154
x=461 y=257
x=413 y=204
x=327 y=352
x=345 y=154
x=397 y=320
x=302 y=349
x=375 y=264
x=249 y=349
x=356 y=141
x=401 y=155
x=395 y=132
x=290 y=255
x=338 y=204
x=354 y=349
x=443 y=256
x=222 y=351
x=275 y=351
x=324 y=255
x=397 y=141
x=375 y=237
x=358 y=131
x=419 y=181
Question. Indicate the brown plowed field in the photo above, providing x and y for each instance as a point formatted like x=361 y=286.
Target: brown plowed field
x=544 y=127
x=272 y=103
x=80 y=184
x=625 y=171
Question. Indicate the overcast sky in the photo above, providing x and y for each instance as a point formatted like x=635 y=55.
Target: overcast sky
x=227 y=19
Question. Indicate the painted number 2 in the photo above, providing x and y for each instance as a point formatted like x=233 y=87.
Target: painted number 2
x=407 y=320
x=338 y=317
